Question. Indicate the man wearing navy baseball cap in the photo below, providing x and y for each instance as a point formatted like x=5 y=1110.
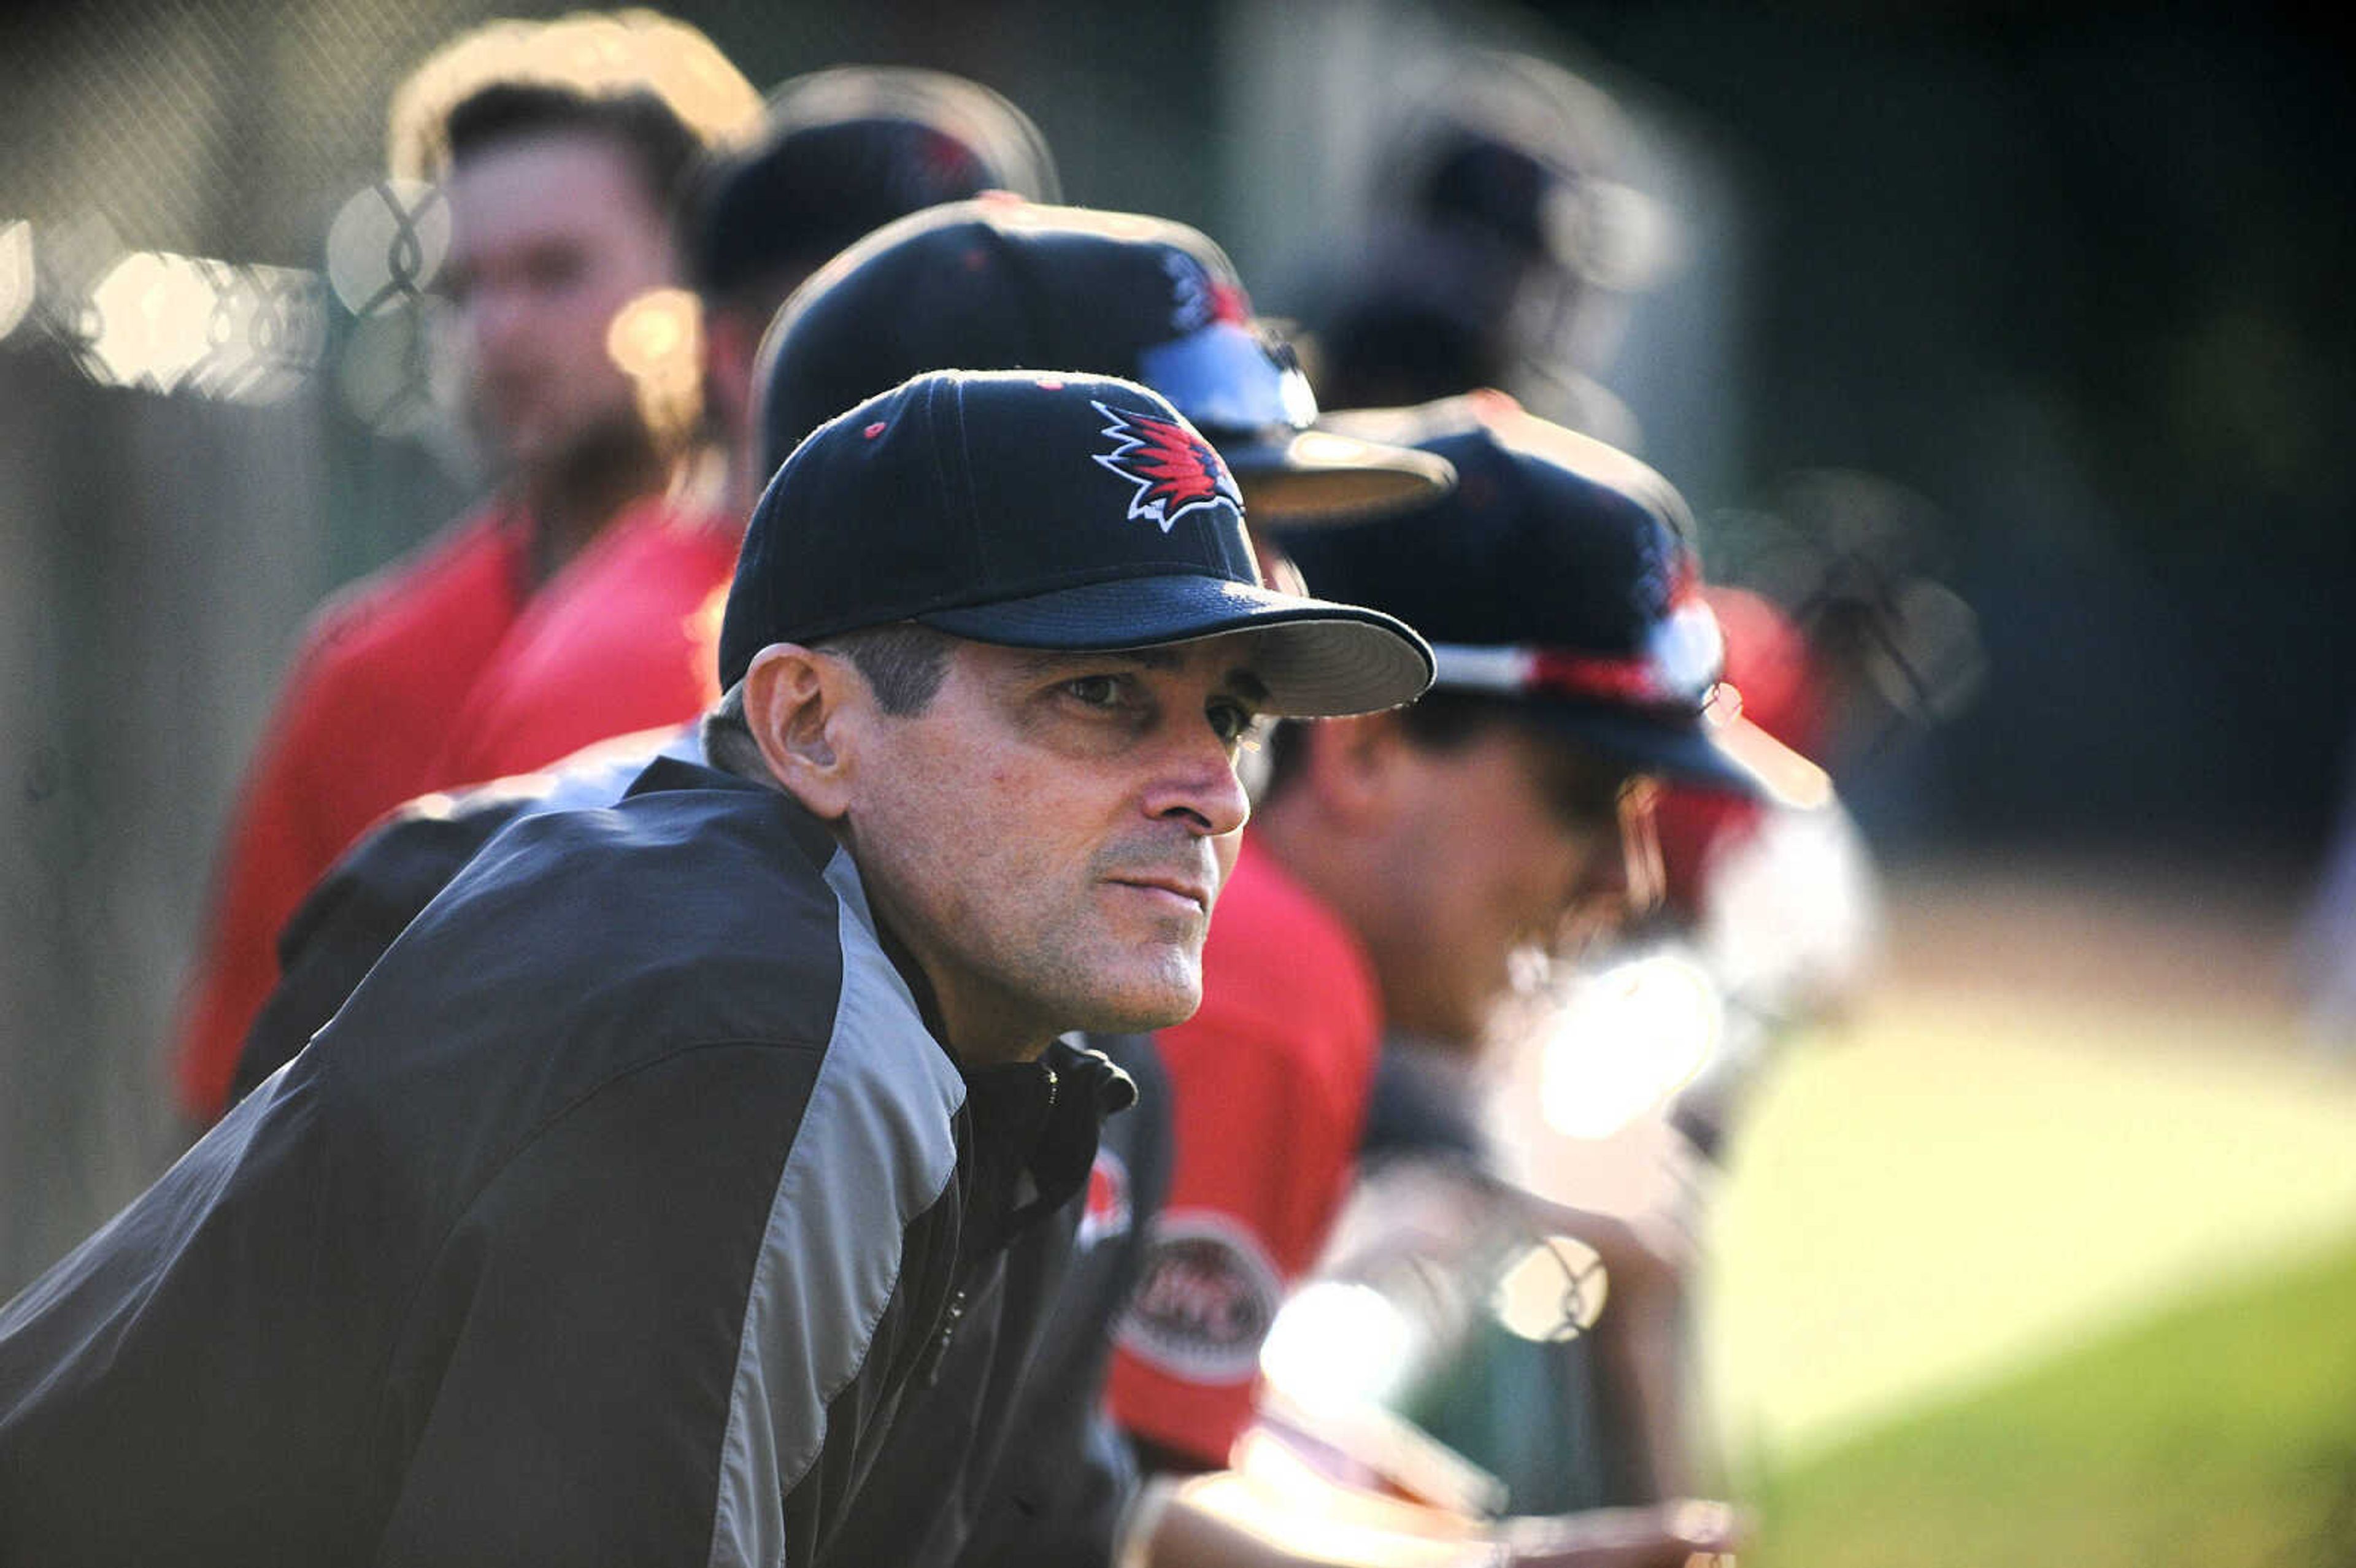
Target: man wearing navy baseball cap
x=612 y=1216
x=1422 y=850
x=1001 y=283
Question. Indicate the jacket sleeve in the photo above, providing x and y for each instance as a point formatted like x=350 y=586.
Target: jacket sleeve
x=347 y=921
x=561 y=1389
x=674 y=1329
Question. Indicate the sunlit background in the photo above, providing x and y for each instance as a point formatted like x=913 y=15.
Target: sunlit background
x=2045 y=304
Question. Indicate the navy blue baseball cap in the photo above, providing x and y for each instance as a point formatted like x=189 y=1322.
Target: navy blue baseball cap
x=1559 y=576
x=1041 y=510
x=998 y=283
x=846 y=150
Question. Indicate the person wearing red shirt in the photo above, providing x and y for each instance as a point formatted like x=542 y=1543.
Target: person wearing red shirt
x=1269 y=1084
x=561 y=203
x=1578 y=665
x=625 y=641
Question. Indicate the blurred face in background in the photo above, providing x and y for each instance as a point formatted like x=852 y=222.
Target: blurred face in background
x=1502 y=841
x=551 y=234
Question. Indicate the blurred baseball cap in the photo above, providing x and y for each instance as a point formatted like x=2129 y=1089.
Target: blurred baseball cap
x=846 y=150
x=999 y=283
x=1041 y=510
x=1559 y=575
x=1518 y=152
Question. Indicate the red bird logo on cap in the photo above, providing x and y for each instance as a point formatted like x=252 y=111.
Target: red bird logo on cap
x=1174 y=470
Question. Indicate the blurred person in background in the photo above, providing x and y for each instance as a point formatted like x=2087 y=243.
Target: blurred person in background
x=624 y=641
x=1499 y=245
x=1845 y=645
x=842 y=152
x=564 y=150
x=1503 y=248
x=1399 y=864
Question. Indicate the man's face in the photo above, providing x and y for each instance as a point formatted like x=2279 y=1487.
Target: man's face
x=551 y=236
x=1048 y=834
x=1500 y=843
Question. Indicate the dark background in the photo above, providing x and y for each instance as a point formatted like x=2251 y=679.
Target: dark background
x=2077 y=274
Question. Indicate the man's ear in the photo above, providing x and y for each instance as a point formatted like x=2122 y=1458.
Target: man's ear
x=800 y=704
x=729 y=348
x=1357 y=768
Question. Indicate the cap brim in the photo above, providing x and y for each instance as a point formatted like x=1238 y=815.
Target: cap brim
x=1318 y=660
x=1305 y=477
x=1716 y=750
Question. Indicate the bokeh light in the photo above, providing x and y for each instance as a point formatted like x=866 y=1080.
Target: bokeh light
x=1554 y=1290
x=147 y=321
x=1626 y=1038
x=657 y=340
x=16 y=276
x=386 y=244
x=166 y=322
x=1338 y=1343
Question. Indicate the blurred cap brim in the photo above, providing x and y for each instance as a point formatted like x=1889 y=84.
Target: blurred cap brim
x=1319 y=475
x=1718 y=748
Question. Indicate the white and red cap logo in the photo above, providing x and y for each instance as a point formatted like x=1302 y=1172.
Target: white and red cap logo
x=1173 y=469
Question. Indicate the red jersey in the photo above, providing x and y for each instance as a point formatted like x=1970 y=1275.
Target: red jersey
x=359 y=720
x=627 y=638
x=1269 y=1084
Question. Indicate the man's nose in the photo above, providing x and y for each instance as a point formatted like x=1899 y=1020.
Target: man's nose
x=1622 y=879
x=1637 y=878
x=1194 y=778
x=493 y=317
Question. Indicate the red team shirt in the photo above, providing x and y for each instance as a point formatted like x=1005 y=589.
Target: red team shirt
x=444 y=670
x=627 y=639
x=1269 y=1084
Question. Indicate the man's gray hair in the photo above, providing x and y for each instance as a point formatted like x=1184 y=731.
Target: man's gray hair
x=903 y=663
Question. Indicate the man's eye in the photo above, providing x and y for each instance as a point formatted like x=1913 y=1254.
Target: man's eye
x=1233 y=723
x=1096 y=690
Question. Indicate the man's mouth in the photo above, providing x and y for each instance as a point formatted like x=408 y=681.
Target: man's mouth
x=1176 y=888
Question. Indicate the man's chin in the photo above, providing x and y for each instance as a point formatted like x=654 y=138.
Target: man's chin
x=543 y=445
x=1142 y=1009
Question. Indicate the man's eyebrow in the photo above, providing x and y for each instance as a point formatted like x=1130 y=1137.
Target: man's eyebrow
x=1241 y=681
